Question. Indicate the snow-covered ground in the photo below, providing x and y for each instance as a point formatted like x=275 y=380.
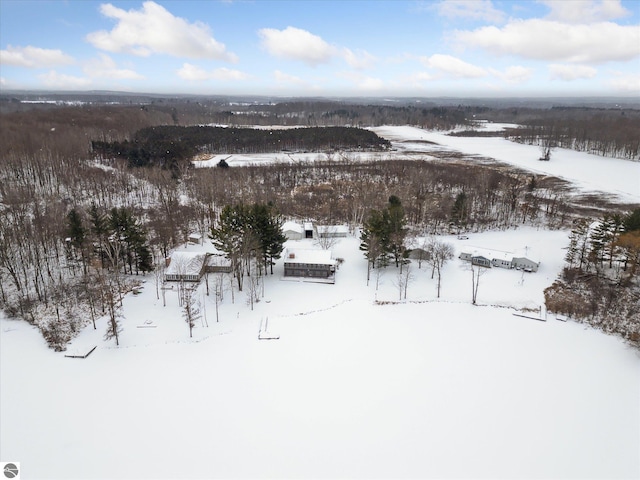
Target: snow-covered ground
x=359 y=384
x=588 y=173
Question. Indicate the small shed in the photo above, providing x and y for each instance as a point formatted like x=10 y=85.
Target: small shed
x=185 y=266
x=465 y=256
x=195 y=238
x=293 y=231
x=309 y=263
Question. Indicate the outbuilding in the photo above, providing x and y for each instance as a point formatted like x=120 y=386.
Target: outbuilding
x=293 y=231
x=310 y=263
x=333 y=231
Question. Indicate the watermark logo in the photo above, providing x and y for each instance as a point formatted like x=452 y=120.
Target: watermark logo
x=11 y=470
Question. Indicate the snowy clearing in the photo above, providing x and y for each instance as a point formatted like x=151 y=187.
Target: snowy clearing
x=589 y=174
x=353 y=387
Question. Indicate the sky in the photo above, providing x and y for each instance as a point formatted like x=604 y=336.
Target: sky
x=460 y=48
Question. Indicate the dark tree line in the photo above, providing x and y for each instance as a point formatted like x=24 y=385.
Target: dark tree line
x=168 y=146
x=610 y=133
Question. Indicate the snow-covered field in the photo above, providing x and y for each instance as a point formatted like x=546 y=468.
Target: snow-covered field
x=588 y=173
x=420 y=388
x=360 y=384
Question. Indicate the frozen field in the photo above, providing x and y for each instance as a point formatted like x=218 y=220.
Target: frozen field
x=588 y=173
x=353 y=388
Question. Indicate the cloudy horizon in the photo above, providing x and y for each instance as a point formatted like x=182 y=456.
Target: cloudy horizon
x=462 y=48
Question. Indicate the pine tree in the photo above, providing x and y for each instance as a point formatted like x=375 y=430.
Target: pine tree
x=229 y=237
x=460 y=210
x=374 y=240
x=77 y=234
x=578 y=242
x=396 y=227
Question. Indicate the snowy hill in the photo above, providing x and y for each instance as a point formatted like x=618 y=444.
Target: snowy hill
x=360 y=383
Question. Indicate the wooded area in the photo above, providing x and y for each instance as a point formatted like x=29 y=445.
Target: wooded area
x=78 y=224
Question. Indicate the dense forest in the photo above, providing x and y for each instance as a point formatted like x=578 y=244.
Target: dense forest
x=77 y=227
x=170 y=146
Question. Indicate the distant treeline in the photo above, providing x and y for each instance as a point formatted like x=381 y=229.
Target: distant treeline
x=168 y=146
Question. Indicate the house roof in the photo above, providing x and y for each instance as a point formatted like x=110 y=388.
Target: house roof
x=315 y=256
x=185 y=263
x=292 y=227
x=218 y=260
x=497 y=254
x=333 y=229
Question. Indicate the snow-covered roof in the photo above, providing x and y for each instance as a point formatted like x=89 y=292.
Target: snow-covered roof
x=185 y=263
x=292 y=227
x=315 y=256
x=333 y=229
x=218 y=260
x=498 y=254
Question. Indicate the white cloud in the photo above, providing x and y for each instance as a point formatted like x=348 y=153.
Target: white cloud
x=555 y=41
x=285 y=78
x=585 y=11
x=514 y=74
x=34 y=57
x=626 y=83
x=471 y=9
x=105 y=67
x=153 y=29
x=195 y=73
x=420 y=77
x=359 y=60
x=571 y=72
x=454 y=67
x=62 y=81
x=296 y=44
x=363 y=82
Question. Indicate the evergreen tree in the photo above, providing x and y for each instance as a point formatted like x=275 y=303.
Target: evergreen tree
x=374 y=240
x=229 y=237
x=77 y=234
x=395 y=224
x=578 y=243
x=99 y=230
x=632 y=221
x=460 y=210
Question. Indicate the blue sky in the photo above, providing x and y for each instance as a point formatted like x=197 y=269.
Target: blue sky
x=429 y=48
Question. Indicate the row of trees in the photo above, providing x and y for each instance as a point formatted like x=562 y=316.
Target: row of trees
x=610 y=134
x=599 y=282
x=249 y=235
x=169 y=146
